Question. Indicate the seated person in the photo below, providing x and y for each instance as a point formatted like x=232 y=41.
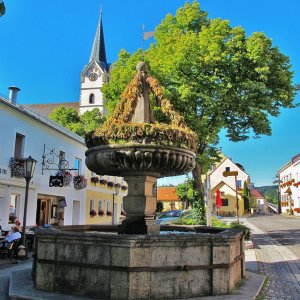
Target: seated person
x=13 y=236
x=17 y=224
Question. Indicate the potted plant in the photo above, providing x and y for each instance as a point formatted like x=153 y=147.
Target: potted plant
x=79 y=182
x=103 y=181
x=110 y=184
x=109 y=213
x=124 y=187
x=101 y=212
x=94 y=179
x=297 y=211
x=93 y=213
x=16 y=167
x=67 y=177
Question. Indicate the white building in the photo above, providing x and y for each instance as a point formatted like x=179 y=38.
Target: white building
x=261 y=202
x=25 y=133
x=230 y=187
x=289 y=185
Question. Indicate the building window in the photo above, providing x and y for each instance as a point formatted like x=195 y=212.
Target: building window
x=92 y=99
x=92 y=205
x=100 y=205
x=19 y=145
x=108 y=206
x=222 y=194
x=77 y=166
x=239 y=183
x=224 y=202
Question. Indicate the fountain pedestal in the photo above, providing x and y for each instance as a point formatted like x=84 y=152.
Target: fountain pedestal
x=140 y=206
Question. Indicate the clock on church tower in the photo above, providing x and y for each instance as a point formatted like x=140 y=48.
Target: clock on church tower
x=93 y=76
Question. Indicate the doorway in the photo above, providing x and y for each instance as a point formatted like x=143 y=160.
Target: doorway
x=76 y=212
x=42 y=212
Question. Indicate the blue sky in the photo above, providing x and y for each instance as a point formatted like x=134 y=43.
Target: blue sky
x=45 y=45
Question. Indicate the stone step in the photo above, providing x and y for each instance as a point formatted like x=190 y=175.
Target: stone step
x=21 y=287
x=4 y=287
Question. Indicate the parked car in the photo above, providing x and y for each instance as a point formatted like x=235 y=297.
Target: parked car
x=168 y=216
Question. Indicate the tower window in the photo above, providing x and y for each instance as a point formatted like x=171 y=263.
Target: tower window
x=92 y=99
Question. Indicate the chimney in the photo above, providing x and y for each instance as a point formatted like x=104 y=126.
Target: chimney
x=13 y=94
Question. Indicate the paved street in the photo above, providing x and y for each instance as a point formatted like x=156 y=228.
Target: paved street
x=286 y=230
x=277 y=255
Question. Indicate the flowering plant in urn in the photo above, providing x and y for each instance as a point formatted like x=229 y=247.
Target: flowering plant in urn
x=79 y=182
x=16 y=167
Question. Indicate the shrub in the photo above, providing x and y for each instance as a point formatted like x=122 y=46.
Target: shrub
x=244 y=227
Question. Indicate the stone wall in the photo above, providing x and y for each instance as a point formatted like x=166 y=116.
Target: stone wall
x=111 y=266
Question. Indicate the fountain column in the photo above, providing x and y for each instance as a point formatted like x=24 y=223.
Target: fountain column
x=140 y=206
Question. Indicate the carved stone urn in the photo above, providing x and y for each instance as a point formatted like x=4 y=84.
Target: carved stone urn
x=133 y=145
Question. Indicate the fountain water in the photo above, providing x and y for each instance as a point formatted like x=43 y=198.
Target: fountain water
x=139 y=263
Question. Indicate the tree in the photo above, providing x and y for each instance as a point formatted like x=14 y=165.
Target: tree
x=2 y=8
x=69 y=118
x=185 y=192
x=215 y=75
x=246 y=196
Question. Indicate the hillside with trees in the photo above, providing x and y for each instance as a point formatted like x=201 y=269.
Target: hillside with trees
x=270 y=192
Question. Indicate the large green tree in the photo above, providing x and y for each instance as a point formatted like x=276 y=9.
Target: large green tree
x=69 y=118
x=216 y=76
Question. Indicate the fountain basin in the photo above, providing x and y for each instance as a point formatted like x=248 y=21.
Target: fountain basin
x=139 y=159
x=85 y=261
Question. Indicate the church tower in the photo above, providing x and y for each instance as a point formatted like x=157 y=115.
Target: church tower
x=94 y=75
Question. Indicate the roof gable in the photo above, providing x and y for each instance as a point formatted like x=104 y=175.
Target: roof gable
x=220 y=185
x=223 y=162
x=256 y=193
x=91 y=65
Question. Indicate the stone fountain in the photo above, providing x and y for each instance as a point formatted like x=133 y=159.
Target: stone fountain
x=133 y=260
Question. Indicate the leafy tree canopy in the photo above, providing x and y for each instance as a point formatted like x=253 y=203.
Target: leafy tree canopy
x=185 y=191
x=216 y=76
x=69 y=118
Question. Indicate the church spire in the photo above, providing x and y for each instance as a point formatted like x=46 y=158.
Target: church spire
x=98 y=51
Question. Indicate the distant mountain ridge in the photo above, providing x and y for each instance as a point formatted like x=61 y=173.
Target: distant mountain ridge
x=270 y=192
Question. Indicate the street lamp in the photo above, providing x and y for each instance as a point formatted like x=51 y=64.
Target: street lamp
x=117 y=189
x=28 y=168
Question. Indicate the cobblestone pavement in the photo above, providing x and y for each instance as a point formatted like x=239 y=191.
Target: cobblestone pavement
x=279 y=264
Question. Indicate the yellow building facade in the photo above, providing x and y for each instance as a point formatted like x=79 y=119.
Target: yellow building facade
x=104 y=199
x=229 y=201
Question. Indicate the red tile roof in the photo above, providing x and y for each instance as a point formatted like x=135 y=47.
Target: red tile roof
x=167 y=193
x=46 y=109
x=255 y=193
